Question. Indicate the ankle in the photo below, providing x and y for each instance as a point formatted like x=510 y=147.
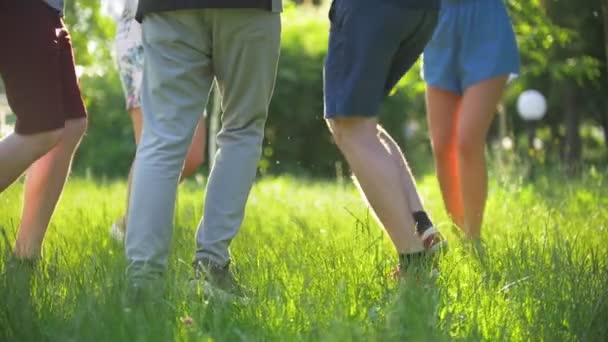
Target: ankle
x=422 y=221
x=27 y=251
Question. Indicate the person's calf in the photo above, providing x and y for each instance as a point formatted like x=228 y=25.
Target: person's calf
x=18 y=152
x=196 y=154
x=192 y=163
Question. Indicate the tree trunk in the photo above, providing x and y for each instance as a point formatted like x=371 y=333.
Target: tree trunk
x=573 y=138
x=604 y=116
x=605 y=12
x=555 y=145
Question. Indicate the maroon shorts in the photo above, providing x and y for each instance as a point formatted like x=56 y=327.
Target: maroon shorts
x=37 y=67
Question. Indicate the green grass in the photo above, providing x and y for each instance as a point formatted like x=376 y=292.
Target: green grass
x=317 y=265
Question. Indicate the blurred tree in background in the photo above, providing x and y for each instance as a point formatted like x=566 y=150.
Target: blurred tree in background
x=564 y=55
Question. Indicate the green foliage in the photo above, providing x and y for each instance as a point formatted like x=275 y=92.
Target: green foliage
x=296 y=135
x=318 y=266
x=563 y=56
x=108 y=146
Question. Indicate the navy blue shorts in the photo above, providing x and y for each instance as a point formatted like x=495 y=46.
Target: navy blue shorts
x=372 y=44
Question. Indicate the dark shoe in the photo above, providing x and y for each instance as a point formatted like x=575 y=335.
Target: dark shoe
x=217 y=281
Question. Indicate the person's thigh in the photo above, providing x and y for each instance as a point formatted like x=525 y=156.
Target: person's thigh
x=478 y=108
x=442 y=111
x=412 y=45
x=177 y=77
x=245 y=59
x=489 y=48
x=364 y=40
x=31 y=65
x=440 y=58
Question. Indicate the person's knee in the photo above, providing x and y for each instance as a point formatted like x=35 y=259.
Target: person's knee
x=347 y=132
x=168 y=151
x=443 y=148
x=469 y=147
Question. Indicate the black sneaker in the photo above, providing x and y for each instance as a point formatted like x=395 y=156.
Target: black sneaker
x=217 y=281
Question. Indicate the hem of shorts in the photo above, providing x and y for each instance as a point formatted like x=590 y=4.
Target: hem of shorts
x=469 y=83
x=336 y=115
x=19 y=129
x=130 y=107
x=441 y=86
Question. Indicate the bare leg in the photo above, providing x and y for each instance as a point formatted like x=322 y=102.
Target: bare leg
x=478 y=110
x=18 y=152
x=407 y=178
x=196 y=153
x=43 y=186
x=379 y=178
x=443 y=112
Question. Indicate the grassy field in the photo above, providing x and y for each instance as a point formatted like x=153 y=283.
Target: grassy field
x=318 y=268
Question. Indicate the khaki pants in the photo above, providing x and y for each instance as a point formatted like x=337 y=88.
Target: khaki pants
x=185 y=51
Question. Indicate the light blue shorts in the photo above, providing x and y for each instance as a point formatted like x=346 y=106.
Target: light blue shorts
x=473 y=42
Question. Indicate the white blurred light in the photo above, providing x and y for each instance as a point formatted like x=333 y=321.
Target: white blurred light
x=507 y=143
x=5 y=129
x=597 y=132
x=112 y=8
x=411 y=128
x=80 y=70
x=538 y=144
x=4 y=108
x=531 y=105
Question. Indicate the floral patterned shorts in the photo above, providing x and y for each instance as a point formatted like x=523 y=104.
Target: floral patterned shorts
x=130 y=60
